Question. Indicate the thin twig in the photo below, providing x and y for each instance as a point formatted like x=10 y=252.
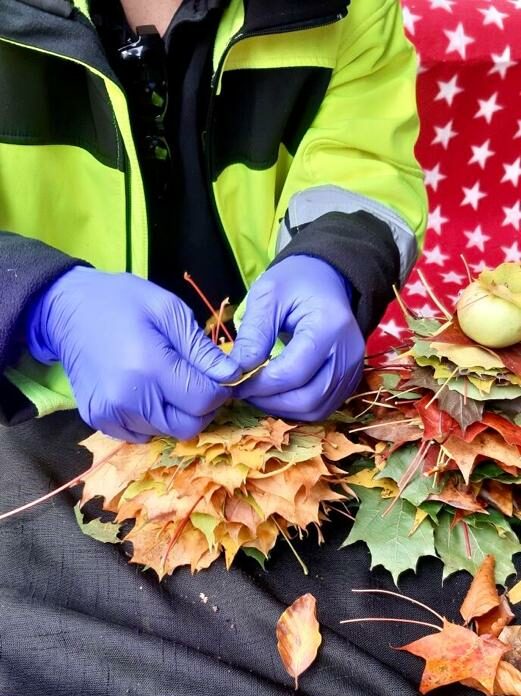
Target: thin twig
x=402 y=596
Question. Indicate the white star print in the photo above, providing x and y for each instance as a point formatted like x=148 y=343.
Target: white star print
x=409 y=19
x=448 y=90
x=433 y=177
x=427 y=311
x=477 y=239
x=436 y=220
x=518 y=134
x=442 y=5
x=481 y=153
x=453 y=277
x=502 y=63
x=453 y=299
x=391 y=328
x=478 y=267
x=473 y=196
x=444 y=134
x=516 y=3
x=513 y=215
x=417 y=288
x=458 y=40
x=512 y=172
x=512 y=253
x=493 y=16
x=435 y=256
x=487 y=108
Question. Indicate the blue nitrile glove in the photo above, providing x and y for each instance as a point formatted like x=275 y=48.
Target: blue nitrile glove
x=322 y=364
x=138 y=363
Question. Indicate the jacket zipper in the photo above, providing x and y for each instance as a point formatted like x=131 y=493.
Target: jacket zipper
x=207 y=135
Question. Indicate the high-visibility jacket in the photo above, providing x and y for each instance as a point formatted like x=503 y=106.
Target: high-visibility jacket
x=312 y=112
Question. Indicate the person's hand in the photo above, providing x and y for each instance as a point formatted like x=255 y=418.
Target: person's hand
x=322 y=364
x=138 y=363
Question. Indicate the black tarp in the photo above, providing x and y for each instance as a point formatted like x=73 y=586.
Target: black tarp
x=77 y=620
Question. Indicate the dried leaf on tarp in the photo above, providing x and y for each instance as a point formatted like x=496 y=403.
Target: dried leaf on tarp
x=482 y=595
x=456 y=654
x=511 y=636
x=298 y=636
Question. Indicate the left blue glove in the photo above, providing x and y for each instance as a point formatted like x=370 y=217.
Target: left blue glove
x=322 y=364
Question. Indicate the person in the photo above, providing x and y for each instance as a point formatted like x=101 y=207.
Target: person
x=267 y=148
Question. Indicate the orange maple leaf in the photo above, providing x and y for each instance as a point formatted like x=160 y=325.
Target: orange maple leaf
x=456 y=654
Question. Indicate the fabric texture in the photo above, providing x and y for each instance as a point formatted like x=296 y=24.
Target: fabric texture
x=77 y=619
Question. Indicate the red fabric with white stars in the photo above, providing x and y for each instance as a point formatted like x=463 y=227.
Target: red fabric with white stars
x=469 y=95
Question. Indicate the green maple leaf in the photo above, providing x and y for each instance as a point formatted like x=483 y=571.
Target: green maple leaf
x=423 y=327
x=107 y=532
x=388 y=537
x=483 y=539
x=420 y=487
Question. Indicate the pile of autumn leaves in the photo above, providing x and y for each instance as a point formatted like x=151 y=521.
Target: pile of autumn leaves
x=445 y=477
x=241 y=484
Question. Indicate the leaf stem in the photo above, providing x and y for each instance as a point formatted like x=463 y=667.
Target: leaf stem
x=69 y=484
x=382 y=425
x=401 y=596
x=407 y=621
x=433 y=297
x=294 y=550
x=203 y=297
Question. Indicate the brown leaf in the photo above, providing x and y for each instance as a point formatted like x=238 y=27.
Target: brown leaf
x=460 y=496
x=508 y=680
x=456 y=654
x=482 y=595
x=511 y=636
x=298 y=636
x=499 y=495
x=496 y=619
x=487 y=444
x=337 y=447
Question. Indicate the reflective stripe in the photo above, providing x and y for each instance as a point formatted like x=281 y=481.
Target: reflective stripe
x=308 y=205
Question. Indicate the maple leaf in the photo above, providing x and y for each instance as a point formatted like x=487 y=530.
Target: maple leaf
x=483 y=538
x=499 y=495
x=388 y=537
x=464 y=411
x=437 y=424
x=458 y=495
x=456 y=654
x=298 y=636
x=487 y=444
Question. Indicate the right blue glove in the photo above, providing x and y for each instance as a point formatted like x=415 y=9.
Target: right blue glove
x=138 y=363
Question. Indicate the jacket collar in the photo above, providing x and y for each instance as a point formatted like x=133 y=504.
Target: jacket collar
x=259 y=14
